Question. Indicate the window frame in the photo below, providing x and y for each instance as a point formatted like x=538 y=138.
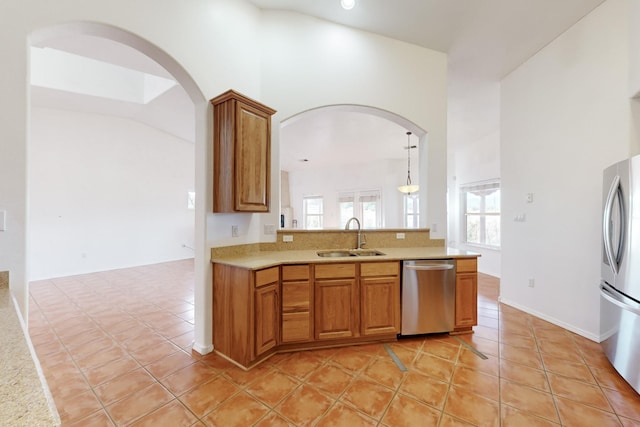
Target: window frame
x=482 y=214
x=306 y=215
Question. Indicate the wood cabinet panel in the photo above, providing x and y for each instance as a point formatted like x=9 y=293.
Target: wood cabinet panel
x=336 y=309
x=295 y=326
x=266 y=276
x=380 y=300
x=233 y=312
x=295 y=272
x=391 y=268
x=466 y=300
x=467 y=265
x=337 y=270
x=267 y=318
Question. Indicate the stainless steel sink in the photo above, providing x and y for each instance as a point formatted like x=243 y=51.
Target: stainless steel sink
x=346 y=253
x=335 y=254
x=366 y=252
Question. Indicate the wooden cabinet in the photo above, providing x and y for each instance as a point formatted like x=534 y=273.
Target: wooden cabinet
x=246 y=312
x=380 y=298
x=241 y=154
x=337 y=313
x=297 y=297
x=466 y=294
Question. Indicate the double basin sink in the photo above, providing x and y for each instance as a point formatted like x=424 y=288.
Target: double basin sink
x=338 y=253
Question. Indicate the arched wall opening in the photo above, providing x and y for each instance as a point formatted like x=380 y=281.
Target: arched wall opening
x=202 y=334
x=356 y=151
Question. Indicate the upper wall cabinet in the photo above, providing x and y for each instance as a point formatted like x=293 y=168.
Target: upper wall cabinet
x=241 y=154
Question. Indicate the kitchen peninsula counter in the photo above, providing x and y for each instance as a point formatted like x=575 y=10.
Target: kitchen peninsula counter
x=264 y=259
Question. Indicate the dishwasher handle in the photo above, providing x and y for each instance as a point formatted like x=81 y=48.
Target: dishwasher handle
x=429 y=267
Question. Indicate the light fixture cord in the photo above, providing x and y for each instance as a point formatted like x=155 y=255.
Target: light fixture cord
x=408 y=158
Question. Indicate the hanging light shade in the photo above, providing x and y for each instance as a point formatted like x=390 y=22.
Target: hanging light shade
x=408 y=188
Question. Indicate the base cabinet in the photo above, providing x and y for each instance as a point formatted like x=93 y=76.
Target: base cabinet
x=380 y=298
x=466 y=314
x=336 y=301
x=302 y=306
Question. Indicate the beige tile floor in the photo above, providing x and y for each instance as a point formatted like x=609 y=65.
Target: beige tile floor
x=115 y=349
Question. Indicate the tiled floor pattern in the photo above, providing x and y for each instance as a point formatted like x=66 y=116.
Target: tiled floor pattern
x=114 y=347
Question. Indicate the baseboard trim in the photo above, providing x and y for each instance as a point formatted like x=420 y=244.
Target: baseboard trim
x=567 y=326
x=201 y=348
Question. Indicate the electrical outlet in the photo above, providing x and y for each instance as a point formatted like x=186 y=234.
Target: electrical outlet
x=287 y=238
x=532 y=283
x=434 y=227
x=234 y=231
x=399 y=236
x=269 y=229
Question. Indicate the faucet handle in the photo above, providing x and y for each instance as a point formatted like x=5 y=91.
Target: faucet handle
x=363 y=240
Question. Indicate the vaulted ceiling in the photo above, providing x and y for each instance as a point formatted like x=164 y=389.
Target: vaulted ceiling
x=485 y=40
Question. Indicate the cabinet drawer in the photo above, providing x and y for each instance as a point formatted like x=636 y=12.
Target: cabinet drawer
x=332 y=271
x=295 y=297
x=295 y=272
x=296 y=327
x=379 y=269
x=467 y=265
x=266 y=276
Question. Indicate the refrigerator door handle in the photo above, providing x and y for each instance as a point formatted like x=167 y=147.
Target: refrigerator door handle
x=614 y=297
x=606 y=224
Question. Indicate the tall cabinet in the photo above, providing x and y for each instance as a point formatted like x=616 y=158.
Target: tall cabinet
x=241 y=154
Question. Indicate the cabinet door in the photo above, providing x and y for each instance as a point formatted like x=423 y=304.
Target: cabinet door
x=253 y=158
x=380 y=303
x=336 y=309
x=466 y=299
x=267 y=320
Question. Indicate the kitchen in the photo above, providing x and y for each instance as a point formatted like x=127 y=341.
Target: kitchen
x=543 y=135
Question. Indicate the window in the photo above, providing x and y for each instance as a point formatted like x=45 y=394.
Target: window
x=481 y=212
x=411 y=210
x=364 y=205
x=312 y=212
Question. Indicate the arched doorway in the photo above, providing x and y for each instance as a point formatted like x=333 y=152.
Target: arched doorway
x=202 y=339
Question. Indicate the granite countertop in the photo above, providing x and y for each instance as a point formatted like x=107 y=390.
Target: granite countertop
x=24 y=397
x=264 y=259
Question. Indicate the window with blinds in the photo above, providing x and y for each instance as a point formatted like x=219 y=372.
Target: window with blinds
x=480 y=203
x=364 y=205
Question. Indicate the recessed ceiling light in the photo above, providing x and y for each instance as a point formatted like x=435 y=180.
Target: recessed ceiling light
x=347 y=4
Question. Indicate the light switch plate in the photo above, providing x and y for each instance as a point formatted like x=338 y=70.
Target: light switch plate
x=3 y=220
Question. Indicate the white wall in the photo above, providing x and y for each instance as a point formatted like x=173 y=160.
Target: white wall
x=565 y=116
x=310 y=63
x=105 y=193
x=474 y=162
x=384 y=175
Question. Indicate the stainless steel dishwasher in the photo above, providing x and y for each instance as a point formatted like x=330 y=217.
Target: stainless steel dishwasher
x=428 y=296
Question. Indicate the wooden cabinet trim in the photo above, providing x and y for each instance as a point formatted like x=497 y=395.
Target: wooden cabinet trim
x=266 y=276
x=466 y=265
x=295 y=272
x=335 y=271
x=386 y=268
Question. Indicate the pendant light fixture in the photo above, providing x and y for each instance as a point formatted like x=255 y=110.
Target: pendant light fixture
x=408 y=188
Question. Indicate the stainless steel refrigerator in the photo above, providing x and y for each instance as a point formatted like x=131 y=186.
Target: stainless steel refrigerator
x=620 y=269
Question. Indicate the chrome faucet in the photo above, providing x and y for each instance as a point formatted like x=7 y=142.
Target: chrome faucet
x=360 y=241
